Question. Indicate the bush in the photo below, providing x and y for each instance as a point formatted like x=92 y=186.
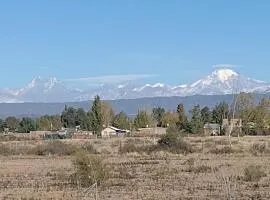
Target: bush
x=201 y=169
x=128 y=148
x=6 y=138
x=259 y=148
x=253 y=173
x=54 y=148
x=90 y=148
x=5 y=150
x=173 y=143
x=173 y=130
x=223 y=150
x=89 y=170
x=170 y=142
x=13 y=149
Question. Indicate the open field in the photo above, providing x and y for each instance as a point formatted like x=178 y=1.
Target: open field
x=212 y=171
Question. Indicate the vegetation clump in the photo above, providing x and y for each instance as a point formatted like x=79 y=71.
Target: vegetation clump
x=89 y=170
x=54 y=148
x=223 y=150
x=259 y=148
x=174 y=143
x=253 y=173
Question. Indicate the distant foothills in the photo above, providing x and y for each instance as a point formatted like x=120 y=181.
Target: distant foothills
x=129 y=106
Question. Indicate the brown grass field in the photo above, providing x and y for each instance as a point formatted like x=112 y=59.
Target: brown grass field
x=212 y=171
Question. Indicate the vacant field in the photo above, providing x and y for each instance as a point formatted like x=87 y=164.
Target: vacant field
x=213 y=170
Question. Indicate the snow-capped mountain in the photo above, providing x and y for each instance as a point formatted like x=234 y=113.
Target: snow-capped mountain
x=219 y=82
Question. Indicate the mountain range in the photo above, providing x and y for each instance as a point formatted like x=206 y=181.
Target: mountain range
x=220 y=82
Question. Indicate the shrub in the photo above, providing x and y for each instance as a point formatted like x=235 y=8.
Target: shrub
x=253 y=173
x=202 y=169
x=89 y=170
x=5 y=150
x=173 y=143
x=259 y=148
x=223 y=150
x=173 y=130
x=13 y=149
x=54 y=148
x=170 y=142
x=128 y=148
x=90 y=148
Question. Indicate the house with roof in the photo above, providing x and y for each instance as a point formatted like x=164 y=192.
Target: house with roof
x=211 y=129
x=113 y=131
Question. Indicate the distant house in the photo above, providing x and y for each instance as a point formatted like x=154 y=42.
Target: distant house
x=113 y=131
x=211 y=129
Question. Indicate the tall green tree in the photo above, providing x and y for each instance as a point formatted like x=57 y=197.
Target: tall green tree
x=262 y=114
x=196 y=122
x=182 y=118
x=96 y=117
x=68 y=117
x=1 y=125
x=158 y=114
x=121 y=121
x=82 y=119
x=142 y=120
x=206 y=115
x=220 y=112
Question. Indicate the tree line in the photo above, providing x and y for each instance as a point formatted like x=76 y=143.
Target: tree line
x=101 y=114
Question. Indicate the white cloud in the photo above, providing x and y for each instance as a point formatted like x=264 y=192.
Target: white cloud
x=110 y=79
x=225 y=66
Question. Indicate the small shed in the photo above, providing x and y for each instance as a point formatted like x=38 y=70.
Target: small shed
x=108 y=132
x=211 y=129
x=113 y=131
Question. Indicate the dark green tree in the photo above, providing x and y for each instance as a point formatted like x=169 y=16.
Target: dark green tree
x=220 y=112
x=158 y=114
x=196 y=122
x=82 y=119
x=182 y=118
x=121 y=121
x=206 y=115
x=68 y=117
x=27 y=124
x=96 y=117
x=1 y=125
x=142 y=120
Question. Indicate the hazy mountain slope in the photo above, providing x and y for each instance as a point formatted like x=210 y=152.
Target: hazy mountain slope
x=130 y=106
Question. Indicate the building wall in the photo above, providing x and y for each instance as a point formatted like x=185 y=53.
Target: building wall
x=108 y=132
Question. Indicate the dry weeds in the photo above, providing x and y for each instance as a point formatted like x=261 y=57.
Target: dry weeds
x=156 y=175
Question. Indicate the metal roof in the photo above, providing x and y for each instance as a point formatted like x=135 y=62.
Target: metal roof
x=211 y=126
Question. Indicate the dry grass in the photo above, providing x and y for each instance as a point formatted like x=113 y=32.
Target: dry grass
x=202 y=174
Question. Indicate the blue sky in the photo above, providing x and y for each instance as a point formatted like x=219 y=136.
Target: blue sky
x=169 y=41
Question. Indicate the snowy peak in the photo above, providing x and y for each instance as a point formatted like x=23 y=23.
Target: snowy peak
x=221 y=81
x=45 y=82
x=224 y=74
